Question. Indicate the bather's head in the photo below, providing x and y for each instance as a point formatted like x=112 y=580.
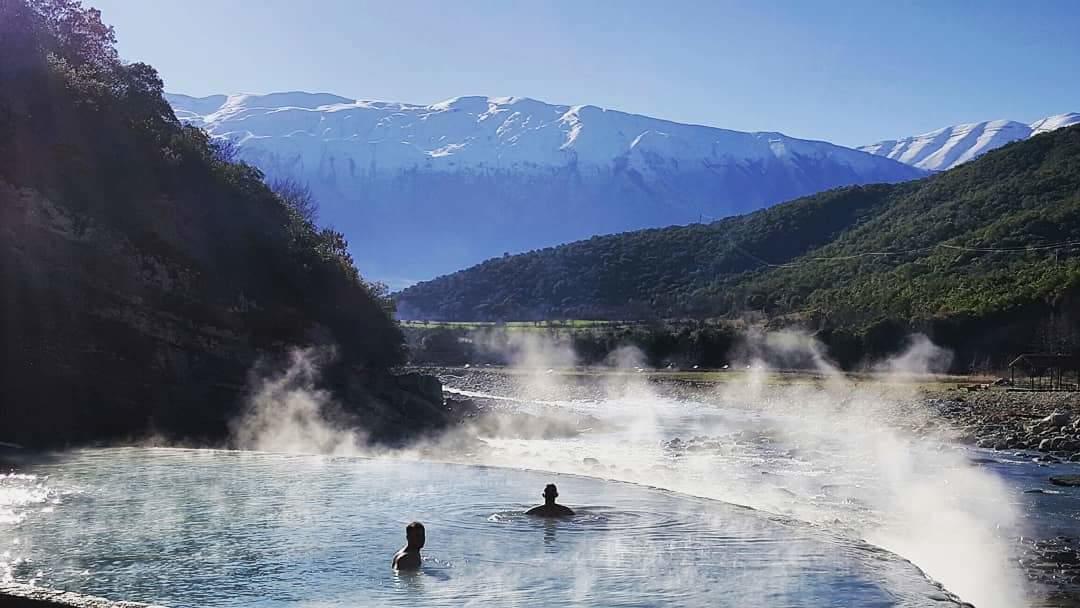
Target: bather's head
x=414 y=535
x=550 y=493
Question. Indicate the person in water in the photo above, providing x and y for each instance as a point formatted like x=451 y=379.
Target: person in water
x=550 y=508
x=409 y=556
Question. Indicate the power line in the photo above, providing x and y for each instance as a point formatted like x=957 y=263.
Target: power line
x=1061 y=245
x=1014 y=249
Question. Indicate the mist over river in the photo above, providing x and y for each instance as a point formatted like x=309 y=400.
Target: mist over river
x=868 y=460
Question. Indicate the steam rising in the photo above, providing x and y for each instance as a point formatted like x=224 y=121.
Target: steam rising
x=288 y=413
x=922 y=356
x=859 y=457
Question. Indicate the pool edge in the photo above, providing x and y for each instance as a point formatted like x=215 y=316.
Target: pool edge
x=17 y=595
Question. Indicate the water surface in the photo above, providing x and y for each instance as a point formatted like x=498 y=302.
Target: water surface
x=213 y=528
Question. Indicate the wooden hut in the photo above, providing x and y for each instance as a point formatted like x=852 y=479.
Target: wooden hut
x=1047 y=372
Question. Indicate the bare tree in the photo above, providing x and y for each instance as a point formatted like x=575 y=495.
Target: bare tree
x=297 y=196
x=225 y=150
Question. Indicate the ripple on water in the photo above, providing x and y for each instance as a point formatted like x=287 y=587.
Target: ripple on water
x=222 y=529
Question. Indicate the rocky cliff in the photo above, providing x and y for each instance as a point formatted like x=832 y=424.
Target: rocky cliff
x=104 y=338
x=144 y=275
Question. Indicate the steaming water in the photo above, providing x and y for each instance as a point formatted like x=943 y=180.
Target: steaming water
x=836 y=458
x=211 y=528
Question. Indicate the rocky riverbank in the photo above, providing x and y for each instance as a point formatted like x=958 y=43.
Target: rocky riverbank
x=1044 y=422
x=1042 y=428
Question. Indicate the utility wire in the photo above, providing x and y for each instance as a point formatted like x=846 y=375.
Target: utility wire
x=1014 y=249
x=1061 y=245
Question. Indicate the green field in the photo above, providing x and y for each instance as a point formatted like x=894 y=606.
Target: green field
x=521 y=325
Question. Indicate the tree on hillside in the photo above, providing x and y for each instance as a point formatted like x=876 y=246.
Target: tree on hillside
x=95 y=134
x=298 y=197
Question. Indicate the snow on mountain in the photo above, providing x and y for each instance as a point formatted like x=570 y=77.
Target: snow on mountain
x=946 y=148
x=502 y=174
x=1054 y=122
x=480 y=132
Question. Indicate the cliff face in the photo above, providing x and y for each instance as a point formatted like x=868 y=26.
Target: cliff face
x=100 y=340
x=105 y=338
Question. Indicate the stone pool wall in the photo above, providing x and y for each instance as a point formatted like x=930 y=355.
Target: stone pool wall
x=13 y=595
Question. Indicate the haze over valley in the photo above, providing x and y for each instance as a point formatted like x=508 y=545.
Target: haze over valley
x=506 y=174
x=426 y=190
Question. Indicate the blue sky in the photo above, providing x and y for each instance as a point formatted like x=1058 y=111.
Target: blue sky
x=847 y=72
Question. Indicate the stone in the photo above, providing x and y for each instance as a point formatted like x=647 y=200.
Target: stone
x=1061 y=443
x=1066 y=556
x=1069 y=481
x=1054 y=421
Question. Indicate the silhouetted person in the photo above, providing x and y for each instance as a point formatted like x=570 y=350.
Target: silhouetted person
x=409 y=556
x=550 y=508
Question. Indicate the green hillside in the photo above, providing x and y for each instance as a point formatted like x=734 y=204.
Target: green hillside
x=994 y=240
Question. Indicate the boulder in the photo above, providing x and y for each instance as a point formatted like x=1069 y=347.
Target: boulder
x=1053 y=422
x=1069 y=481
x=391 y=407
x=1062 y=443
x=1064 y=556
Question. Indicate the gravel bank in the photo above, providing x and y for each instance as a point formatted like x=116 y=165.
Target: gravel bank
x=1041 y=426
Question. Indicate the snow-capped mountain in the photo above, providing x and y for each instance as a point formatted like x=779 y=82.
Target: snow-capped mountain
x=421 y=190
x=946 y=148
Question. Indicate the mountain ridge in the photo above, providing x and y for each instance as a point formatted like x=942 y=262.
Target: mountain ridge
x=232 y=115
x=988 y=251
x=948 y=147
x=509 y=174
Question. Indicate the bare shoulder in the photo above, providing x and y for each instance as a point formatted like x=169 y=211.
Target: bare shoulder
x=406 y=560
x=550 y=511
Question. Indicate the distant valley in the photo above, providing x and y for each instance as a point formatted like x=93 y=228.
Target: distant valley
x=984 y=258
x=423 y=190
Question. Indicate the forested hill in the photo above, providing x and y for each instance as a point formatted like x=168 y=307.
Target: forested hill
x=980 y=240
x=143 y=273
